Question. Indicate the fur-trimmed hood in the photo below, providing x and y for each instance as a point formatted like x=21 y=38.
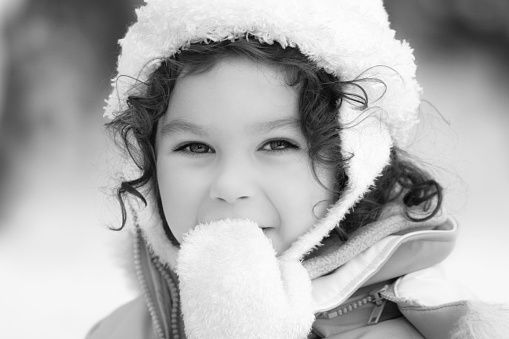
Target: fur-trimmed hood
x=349 y=39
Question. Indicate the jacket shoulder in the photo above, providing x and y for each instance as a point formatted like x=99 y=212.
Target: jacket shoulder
x=129 y=321
x=440 y=308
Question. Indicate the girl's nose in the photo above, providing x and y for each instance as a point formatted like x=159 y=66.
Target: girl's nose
x=233 y=182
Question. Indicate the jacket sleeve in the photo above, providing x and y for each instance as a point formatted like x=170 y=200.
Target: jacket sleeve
x=435 y=322
x=483 y=320
x=130 y=321
x=439 y=308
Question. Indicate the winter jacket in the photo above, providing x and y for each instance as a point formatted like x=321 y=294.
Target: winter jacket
x=394 y=288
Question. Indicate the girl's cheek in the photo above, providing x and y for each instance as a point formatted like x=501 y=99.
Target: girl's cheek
x=183 y=178
x=182 y=191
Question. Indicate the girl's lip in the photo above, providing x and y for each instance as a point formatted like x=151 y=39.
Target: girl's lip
x=262 y=226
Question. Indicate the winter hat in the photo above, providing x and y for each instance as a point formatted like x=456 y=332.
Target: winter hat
x=347 y=38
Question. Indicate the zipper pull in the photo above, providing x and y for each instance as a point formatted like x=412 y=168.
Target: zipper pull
x=380 y=302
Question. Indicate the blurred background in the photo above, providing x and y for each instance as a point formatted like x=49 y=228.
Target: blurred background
x=58 y=270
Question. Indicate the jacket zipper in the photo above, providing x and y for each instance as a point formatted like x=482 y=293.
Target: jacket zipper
x=376 y=297
x=158 y=328
x=379 y=301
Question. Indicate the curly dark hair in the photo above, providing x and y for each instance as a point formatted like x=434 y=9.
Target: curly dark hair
x=320 y=96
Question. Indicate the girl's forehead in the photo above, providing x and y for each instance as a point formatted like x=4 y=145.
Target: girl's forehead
x=235 y=89
x=236 y=74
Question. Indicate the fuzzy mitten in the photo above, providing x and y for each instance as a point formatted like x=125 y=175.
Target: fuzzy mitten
x=232 y=285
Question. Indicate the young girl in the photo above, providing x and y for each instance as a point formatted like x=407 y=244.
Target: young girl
x=265 y=186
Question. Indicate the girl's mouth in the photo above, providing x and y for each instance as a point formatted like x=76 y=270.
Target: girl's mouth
x=266 y=229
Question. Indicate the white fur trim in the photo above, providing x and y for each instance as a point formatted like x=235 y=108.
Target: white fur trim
x=233 y=286
x=148 y=220
x=483 y=321
x=367 y=143
x=346 y=38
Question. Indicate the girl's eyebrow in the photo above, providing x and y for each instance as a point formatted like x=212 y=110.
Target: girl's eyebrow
x=269 y=126
x=179 y=125
x=182 y=126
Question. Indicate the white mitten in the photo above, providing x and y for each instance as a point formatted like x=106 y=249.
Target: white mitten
x=232 y=285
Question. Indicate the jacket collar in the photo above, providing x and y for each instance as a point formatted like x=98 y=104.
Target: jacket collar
x=362 y=261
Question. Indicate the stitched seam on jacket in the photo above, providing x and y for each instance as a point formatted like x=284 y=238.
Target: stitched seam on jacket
x=433 y=308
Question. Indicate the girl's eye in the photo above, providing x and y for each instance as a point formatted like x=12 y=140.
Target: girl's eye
x=198 y=148
x=279 y=145
x=194 y=148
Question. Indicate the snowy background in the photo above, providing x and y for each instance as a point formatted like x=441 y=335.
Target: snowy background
x=58 y=272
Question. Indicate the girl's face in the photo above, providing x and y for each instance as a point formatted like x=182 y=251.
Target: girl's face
x=230 y=146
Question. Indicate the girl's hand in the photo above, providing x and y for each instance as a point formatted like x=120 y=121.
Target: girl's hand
x=232 y=285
